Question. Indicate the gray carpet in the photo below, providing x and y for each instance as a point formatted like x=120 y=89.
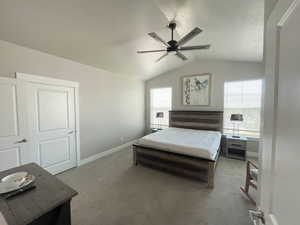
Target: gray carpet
x=114 y=192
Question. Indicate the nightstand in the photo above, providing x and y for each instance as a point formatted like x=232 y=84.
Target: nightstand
x=236 y=148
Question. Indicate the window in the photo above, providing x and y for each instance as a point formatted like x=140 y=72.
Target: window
x=243 y=97
x=160 y=101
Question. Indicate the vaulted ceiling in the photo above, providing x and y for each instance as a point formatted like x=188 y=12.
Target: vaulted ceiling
x=107 y=33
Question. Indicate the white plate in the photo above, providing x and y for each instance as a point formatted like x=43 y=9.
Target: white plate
x=12 y=186
x=15 y=177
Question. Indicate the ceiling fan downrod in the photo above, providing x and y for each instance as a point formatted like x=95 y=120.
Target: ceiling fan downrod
x=172 y=26
x=172 y=43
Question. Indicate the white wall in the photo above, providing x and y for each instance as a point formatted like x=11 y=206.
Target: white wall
x=111 y=105
x=221 y=71
x=269 y=6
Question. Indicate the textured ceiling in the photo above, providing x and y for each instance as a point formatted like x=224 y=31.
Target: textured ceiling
x=107 y=33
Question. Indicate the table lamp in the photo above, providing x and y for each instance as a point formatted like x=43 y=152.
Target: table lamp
x=236 y=118
x=159 y=115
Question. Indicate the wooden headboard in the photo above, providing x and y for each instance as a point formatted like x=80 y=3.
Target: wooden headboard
x=199 y=120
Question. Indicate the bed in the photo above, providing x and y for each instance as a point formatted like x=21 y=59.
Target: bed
x=178 y=149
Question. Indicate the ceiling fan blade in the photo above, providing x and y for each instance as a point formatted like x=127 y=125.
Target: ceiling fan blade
x=151 y=51
x=163 y=56
x=158 y=38
x=195 y=47
x=180 y=55
x=189 y=36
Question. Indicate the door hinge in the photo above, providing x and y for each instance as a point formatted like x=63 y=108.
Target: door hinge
x=257 y=217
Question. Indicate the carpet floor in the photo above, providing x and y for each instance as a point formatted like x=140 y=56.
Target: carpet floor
x=114 y=192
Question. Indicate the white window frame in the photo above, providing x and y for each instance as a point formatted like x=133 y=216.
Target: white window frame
x=154 y=125
x=243 y=132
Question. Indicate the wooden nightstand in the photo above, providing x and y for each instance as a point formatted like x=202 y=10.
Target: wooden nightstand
x=236 y=148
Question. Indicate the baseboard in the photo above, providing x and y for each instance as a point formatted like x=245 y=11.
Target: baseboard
x=105 y=153
x=252 y=154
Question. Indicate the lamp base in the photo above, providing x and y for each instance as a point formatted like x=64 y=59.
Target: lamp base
x=235 y=136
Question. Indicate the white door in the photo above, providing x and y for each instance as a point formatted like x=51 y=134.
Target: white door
x=51 y=122
x=280 y=179
x=13 y=143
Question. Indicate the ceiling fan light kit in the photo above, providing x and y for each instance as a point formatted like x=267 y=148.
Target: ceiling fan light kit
x=176 y=46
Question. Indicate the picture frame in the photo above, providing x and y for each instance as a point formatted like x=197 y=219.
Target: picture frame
x=196 y=89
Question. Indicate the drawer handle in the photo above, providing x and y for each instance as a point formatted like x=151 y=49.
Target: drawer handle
x=237 y=145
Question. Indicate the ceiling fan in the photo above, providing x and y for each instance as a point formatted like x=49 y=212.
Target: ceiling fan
x=176 y=46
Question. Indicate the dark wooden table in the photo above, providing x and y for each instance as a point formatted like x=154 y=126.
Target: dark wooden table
x=47 y=204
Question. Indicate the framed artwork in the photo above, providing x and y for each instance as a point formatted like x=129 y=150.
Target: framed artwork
x=196 y=89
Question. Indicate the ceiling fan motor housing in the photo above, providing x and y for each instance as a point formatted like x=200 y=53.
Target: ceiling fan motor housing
x=173 y=45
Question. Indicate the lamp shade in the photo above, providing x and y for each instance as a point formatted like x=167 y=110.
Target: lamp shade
x=236 y=117
x=159 y=115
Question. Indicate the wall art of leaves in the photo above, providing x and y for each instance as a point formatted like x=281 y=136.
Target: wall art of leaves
x=196 y=89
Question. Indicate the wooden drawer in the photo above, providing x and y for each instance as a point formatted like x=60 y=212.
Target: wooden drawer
x=236 y=153
x=237 y=144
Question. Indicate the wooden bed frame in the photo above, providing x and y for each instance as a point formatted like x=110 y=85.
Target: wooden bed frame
x=194 y=167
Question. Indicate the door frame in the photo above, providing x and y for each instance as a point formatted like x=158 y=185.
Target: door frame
x=267 y=153
x=65 y=83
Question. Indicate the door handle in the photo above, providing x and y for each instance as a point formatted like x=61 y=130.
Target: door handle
x=71 y=132
x=257 y=216
x=21 y=141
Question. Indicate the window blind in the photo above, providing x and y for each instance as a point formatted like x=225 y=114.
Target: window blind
x=160 y=101
x=243 y=97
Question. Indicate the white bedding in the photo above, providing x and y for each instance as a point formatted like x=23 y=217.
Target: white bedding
x=198 y=143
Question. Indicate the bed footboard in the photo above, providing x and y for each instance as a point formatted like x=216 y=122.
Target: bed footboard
x=197 y=168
